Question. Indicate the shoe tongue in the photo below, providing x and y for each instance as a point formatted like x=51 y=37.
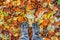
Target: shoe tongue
x=35 y=25
x=24 y=25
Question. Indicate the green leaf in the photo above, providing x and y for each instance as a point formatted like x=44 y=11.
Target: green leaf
x=58 y=2
x=5 y=14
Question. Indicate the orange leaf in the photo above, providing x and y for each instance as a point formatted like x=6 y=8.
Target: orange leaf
x=45 y=23
x=20 y=19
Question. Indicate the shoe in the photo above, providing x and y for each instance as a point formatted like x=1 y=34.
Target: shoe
x=24 y=27
x=35 y=30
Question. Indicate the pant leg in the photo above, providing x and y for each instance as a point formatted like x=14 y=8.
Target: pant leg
x=24 y=27
x=35 y=30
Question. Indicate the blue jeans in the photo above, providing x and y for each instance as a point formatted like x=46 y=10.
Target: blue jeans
x=35 y=29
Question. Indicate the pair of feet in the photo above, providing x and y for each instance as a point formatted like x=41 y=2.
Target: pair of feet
x=35 y=29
